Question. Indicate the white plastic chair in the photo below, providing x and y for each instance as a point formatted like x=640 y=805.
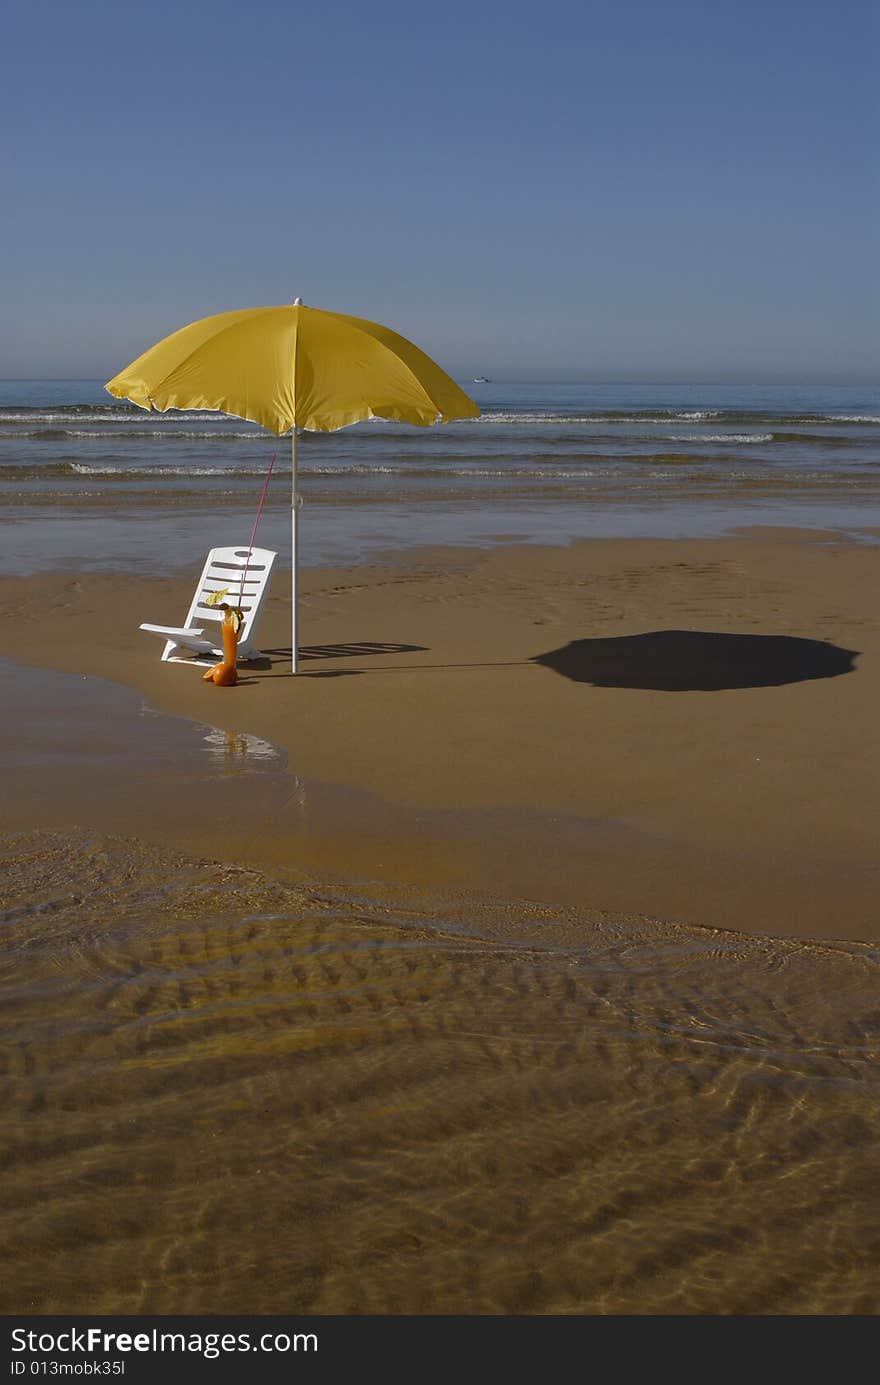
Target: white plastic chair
x=225 y=568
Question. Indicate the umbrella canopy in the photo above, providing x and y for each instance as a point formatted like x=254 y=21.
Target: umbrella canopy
x=293 y=367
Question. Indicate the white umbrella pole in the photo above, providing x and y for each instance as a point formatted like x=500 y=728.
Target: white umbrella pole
x=294 y=552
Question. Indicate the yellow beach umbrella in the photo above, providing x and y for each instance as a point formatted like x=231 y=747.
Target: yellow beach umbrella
x=289 y=368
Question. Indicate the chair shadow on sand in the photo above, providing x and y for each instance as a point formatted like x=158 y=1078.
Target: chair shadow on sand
x=356 y=650
x=346 y=651
x=697 y=661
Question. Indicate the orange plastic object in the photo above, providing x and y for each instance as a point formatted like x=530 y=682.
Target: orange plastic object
x=225 y=674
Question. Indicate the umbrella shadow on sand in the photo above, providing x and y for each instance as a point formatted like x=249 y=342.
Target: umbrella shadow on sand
x=697 y=661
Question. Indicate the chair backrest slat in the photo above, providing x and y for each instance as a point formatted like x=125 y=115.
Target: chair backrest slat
x=225 y=567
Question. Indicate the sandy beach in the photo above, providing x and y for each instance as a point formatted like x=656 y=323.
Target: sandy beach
x=539 y=978
x=679 y=729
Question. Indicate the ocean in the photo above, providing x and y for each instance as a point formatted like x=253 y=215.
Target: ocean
x=88 y=482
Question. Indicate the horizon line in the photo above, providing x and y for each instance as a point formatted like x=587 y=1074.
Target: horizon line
x=857 y=382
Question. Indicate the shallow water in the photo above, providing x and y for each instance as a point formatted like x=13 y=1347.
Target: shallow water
x=230 y=1092
x=225 y=1094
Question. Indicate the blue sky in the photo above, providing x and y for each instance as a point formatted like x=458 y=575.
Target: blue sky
x=595 y=191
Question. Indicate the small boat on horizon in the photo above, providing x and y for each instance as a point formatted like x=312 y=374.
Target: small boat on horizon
x=482 y=380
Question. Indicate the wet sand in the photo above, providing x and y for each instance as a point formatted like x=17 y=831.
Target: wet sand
x=524 y=985
x=680 y=729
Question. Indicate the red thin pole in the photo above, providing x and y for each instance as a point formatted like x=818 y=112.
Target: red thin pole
x=254 y=530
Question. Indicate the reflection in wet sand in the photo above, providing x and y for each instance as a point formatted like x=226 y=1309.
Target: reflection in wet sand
x=228 y=1094
x=238 y=749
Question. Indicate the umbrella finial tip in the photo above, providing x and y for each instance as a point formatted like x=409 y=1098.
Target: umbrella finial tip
x=297 y=302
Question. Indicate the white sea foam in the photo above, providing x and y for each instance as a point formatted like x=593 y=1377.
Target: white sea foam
x=341 y=472
x=138 y=418
x=719 y=437
x=540 y=473
x=434 y=471
x=82 y=469
x=519 y=418
x=672 y=417
x=132 y=434
x=86 y=469
x=69 y=416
